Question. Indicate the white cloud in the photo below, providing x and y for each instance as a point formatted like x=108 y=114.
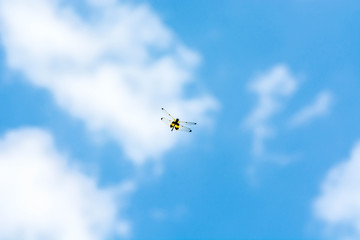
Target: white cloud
x=43 y=197
x=271 y=88
x=319 y=107
x=113 y=67
x=338 y=205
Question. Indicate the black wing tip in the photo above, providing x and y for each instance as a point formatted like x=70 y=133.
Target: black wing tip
x=162 y=108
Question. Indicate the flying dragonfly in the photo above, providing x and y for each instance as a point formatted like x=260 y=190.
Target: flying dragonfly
x=175 y=123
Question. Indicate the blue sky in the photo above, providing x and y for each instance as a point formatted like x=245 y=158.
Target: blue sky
x=273 y=85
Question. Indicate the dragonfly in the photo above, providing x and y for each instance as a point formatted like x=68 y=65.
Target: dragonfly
x=175 y=123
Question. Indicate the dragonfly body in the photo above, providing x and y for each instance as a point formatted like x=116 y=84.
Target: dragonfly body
x=175 y=123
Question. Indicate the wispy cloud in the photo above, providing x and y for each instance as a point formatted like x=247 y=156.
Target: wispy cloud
x=272 y=89
x=113 y=67
x=338 y=205
x=175 y=213
x=43 y=197
x=320 y=107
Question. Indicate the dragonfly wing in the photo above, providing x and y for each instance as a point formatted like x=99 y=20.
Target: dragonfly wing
x=166 y=121
x=167 y=114
x=184 y=129
x=188 y=123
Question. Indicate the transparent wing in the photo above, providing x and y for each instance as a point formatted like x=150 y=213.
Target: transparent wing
x=167 y=114
x=166 y=121
x=188 y=123
x=184 y=129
